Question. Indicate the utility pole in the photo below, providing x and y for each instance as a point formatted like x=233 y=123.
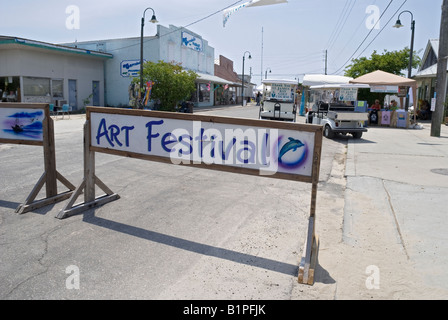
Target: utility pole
x=437 y=115
x=261 y=73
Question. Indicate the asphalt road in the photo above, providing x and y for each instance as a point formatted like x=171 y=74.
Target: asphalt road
x=189 y=233
x=175 y=233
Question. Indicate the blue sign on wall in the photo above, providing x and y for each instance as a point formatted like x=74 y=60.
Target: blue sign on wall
x=130 y=68
x=191 y=41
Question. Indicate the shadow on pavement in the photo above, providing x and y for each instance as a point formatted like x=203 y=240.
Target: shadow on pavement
x=193 y=246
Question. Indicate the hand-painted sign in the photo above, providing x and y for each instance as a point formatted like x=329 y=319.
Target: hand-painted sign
x=192 y=42
x=348 y=94
x=21 y=124
x=282 y=92
x=248 y=145
x=130 y=68
x=31 y=124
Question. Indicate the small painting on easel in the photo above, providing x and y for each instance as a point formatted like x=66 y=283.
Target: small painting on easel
x=26 y=124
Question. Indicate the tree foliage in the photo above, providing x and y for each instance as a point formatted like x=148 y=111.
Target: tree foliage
x=171 y=83
x=393 y=62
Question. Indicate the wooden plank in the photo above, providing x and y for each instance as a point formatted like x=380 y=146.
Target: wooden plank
x=78 y=191
x=309 y=259
x=313 y=262
x=103 y=186
x=305 y=262
x=316 y=170
x=44 y=202
x=33 y=194
x=205 y=118
x=49 y=156
x=308 y=263
x=24 y=142
x=89 y=166
x=64 y=181
x=65 y=213
x=24 y=105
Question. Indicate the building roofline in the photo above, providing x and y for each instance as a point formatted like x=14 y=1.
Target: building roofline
x=50 y=46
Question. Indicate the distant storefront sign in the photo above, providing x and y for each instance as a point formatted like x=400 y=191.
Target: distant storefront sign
x=130 y=68
x=191 y=41
x=384 y=89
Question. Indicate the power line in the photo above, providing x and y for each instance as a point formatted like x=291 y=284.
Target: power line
x=382 y=28
x=343 y=25
x=371 y=30
x=351 y=38
x=337 y=24
x=180 y=28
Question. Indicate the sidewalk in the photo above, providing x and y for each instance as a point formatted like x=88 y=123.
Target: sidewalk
x=395 y=211
x=218 y=107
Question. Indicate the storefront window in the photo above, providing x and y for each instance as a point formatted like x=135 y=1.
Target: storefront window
x=57 y=88
x=36 y=86
x=204 y=92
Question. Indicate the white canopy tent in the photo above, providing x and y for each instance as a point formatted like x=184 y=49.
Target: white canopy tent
x=324 y=79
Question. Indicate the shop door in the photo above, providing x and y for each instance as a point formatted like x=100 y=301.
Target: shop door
x=72 y=94
x=96 y=93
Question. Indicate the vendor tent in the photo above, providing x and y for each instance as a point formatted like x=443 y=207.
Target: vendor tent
x=322 y=79
x=381 y=78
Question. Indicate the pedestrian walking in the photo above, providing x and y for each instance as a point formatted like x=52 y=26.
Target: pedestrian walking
x=258 y=98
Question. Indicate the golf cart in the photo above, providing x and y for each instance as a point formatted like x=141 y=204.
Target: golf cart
x=336 y=108
x=279 y=100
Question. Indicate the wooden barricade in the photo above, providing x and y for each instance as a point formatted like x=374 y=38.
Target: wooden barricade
x=272 y=149
x=31 y=124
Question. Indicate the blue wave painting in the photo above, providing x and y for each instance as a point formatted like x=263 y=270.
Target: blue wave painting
x=22 y=125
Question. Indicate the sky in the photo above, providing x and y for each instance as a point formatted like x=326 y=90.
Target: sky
x=285 y=40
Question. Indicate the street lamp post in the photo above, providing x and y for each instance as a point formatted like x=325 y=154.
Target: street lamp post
x=399 y=25
x=266 y=73
x=153 y=20
x=242 y=80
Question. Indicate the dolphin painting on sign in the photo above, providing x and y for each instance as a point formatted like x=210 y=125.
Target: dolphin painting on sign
x=293 y=153
x=21 y=124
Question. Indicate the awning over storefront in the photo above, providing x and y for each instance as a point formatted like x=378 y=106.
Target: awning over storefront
x=214 y=79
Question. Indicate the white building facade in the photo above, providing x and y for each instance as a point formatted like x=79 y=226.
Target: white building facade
x=34 y=71
x=172 y=44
